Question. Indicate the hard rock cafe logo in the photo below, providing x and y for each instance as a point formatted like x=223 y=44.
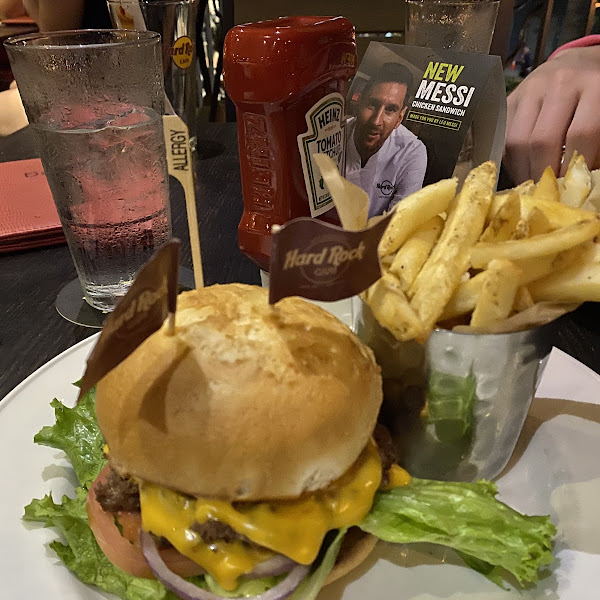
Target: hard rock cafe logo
x=183 y=52
x=325 y=260
x=386 y=187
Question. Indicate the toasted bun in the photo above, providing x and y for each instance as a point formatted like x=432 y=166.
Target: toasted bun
x=245 y=401
x=355 y=549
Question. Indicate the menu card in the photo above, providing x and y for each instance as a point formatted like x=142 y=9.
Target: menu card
x=418 y=115
x=28 y=217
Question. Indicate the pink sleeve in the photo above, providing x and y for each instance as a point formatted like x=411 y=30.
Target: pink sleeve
x=588 y=40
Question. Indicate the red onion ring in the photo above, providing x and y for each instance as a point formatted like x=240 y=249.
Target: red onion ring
x=188 y=591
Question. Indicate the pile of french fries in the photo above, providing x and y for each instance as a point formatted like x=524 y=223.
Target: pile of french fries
x=478 y=257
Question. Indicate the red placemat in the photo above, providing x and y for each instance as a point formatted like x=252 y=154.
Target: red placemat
x=28 y=217
x=24 y=20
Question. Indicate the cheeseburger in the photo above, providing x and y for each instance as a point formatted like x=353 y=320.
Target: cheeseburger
x=238 y=442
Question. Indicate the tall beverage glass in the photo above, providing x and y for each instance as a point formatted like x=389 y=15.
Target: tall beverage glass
x=95 y=101
x=175 y=20
x=460 y=25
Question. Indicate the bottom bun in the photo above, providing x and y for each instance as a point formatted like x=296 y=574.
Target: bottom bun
x=356 y=547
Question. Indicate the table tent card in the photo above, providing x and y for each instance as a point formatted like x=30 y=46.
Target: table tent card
x=411 y=110
x=445 y=98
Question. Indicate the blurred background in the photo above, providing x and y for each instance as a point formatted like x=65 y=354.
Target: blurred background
x=527 y=32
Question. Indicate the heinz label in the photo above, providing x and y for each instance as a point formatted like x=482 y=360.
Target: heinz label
x=325 y=135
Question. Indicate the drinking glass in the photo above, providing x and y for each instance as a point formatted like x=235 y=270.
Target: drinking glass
x=95 y=100
x=461 y=25
x=175 y=20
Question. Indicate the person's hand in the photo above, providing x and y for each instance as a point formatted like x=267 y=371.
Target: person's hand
x=11 y=8
x=557 y=106
x=12 y=113
x=49 y=18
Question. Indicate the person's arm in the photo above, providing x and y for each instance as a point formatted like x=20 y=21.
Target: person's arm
x=9 y=9
x=51 y=18
x=12 y=113
x=555 y=106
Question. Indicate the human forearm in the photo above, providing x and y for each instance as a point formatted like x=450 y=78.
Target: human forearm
x=49 y=18
x=11 y=8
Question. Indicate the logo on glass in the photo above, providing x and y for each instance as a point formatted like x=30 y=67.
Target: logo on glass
x=183 y=52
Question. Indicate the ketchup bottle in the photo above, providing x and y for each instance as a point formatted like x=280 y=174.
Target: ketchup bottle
x=288 y=79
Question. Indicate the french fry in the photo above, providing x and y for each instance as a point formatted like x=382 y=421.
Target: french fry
x=577 y=183
x=579 y=283
x=592 y=253
x=449 y=259
x=497 y=296
x=504 y=220
x=538 y=222
x=540 y=245
x=415 y=210
x=593 y=200
x=535 y=223
x=412 y=255
x=547 y=187
x=558 y=214
x=386 y=262
x=351 y=202
x=521 y=230
x=540 y=266
x=525 y=189
x=533 y=243
x=523 y=299
x=464 y=299
x=391 y=308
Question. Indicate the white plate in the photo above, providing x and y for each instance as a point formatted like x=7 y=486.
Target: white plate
x=556 y=470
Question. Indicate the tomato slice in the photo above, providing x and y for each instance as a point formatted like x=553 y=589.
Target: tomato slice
x=121 y=542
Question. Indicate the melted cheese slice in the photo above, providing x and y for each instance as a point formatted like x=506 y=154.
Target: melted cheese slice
x=295 y=528
x=397 y=477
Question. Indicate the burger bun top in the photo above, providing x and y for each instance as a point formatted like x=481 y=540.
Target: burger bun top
x=245 y=401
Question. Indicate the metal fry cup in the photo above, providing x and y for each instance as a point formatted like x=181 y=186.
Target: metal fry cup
x=456 y=405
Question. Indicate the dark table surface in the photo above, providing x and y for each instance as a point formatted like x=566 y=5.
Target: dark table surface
x=32 y=332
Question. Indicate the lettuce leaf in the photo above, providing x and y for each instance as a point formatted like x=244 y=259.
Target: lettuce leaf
x=81 y=553
x=490 y=536
x=77 y=434
x=246 y=589
x=451 y=402
x=309 y=589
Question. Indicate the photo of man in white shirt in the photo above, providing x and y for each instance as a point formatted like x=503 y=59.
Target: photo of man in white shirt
x=383 y=157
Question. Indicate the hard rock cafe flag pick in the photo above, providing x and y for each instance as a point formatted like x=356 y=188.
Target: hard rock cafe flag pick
x=320 y=261
x=141 y=312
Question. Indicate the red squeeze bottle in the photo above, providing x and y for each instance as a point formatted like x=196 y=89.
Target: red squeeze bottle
x=288 y=79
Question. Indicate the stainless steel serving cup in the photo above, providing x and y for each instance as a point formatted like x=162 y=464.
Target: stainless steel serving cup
x=478 y=388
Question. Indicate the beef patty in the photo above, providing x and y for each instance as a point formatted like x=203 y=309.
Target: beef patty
x=121 y=494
